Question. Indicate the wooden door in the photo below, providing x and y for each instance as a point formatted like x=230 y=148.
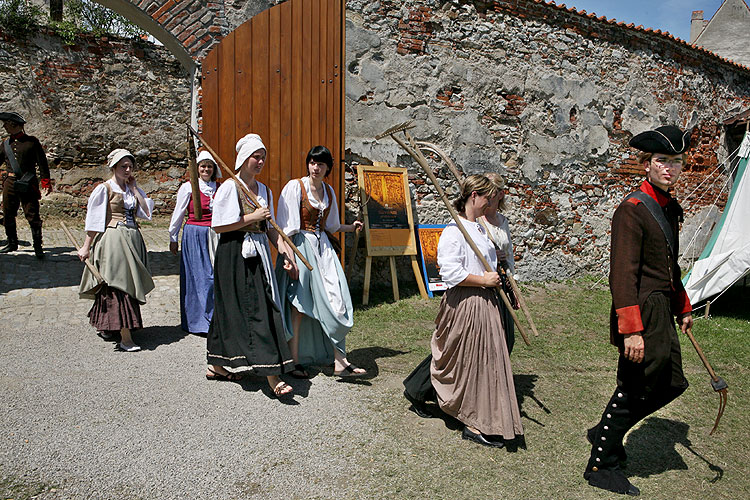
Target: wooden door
x=280 y=75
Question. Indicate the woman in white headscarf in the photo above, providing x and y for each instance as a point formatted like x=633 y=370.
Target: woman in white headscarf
x=198 y=246
x=247 y=328
x=116 y=248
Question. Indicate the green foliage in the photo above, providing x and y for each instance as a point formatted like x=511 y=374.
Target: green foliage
x=92 y=17
x=20 y=18
x=66 y=30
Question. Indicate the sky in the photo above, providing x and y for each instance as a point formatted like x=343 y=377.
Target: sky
x=666 y=15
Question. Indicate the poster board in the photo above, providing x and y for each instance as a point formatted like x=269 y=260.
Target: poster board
x=386 y=206
x=429 y=235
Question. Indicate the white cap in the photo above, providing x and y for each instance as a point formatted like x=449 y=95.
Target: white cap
x=245 y=149
x=118 y=154
x=205 y=155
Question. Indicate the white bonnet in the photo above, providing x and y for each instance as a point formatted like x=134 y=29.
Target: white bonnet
x=118 y=154
x=246 y=147
x=205 y=155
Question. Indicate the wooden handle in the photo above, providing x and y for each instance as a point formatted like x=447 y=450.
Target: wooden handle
x=521 y=301
x=193 y=169
x=88 y=264
x=698 y=349
x=251 y=196
x=422 y=161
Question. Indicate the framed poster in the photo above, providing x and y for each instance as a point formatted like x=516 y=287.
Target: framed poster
x=386 y=205
x=429 y=235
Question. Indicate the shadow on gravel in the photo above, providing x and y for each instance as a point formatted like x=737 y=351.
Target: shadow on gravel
x=651 y=449
x=152 y=337
x=254 y=383
x=525 y=389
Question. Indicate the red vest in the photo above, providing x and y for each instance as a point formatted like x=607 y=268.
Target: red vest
x=205 y=205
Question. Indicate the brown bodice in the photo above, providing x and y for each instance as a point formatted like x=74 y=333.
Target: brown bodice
x=310 y=217
x=116 y=208
x=247 y=208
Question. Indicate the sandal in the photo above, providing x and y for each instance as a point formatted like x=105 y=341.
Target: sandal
x=282 y=389
x=299 y=372
x=229 y=377
x=350 y=371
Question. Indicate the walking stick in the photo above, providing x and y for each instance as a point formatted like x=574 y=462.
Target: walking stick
x=422 y=161
x=718 y=383
x=193 y=169
x=251 y=196
x=91 y=267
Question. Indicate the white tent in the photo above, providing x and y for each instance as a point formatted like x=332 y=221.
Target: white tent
x=726 y=258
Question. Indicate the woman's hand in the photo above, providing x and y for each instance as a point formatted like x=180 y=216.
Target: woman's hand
x=173 y=247
x=84 y=252
x=260 y=214
x=132 y=184
x=357 y=225
x=290 y=266
x=491 y=279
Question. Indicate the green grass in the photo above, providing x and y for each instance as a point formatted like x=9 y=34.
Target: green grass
x=563 y=382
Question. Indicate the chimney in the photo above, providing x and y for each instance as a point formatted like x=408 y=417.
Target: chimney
x=696 y=25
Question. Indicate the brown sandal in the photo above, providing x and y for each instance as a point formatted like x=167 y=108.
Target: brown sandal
x=229 y=377
x=279 y=389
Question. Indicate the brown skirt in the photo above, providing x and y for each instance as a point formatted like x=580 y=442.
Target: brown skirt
x=114 y=309
x=470 y=367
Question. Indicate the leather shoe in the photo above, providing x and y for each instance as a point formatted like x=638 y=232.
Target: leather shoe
x=11 y=246
x=418 y=407
x=479 y=438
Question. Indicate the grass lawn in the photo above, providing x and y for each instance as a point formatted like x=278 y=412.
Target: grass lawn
x=563 y=382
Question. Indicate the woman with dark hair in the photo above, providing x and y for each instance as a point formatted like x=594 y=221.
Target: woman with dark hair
x=247 y=328
x=198 y=247
x=117 y=251
x=317 y=306
x=470 y=369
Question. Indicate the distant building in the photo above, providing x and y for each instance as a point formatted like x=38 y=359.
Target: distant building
x=727 y=33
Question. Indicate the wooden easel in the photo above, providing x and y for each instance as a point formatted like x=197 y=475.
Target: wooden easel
x=404 y=241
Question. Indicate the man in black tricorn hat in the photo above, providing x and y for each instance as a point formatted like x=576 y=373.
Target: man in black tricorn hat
x=22 y=154
x=647 y=296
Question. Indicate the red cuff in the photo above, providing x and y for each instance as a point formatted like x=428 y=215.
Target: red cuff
x=681 y=304
x=46 y=184
x=629 y=320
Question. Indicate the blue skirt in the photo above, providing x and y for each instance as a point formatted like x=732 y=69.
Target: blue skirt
x=196 y=280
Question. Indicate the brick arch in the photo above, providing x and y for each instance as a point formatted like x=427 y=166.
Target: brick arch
x=187 y=28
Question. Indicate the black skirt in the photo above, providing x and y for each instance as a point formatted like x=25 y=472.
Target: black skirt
x=246 y=328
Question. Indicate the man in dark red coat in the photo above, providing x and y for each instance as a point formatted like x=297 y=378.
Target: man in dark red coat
x=22 y=154
x=647 y=296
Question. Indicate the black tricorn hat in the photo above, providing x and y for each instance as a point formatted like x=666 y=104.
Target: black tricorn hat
x=668 y=140
x=12 y=117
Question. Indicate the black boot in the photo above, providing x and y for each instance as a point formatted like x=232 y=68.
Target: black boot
x=36 y=235
x=11 y=246
x=603 y=470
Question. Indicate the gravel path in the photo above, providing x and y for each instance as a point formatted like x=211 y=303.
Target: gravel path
x=80 y=420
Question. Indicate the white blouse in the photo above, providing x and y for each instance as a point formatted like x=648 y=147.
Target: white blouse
x=183 y=200
x=500 y=235
x=227 y=211
x=96 y=210
x=289 y=202
x=456 y=259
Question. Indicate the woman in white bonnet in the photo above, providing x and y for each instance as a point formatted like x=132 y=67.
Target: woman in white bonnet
x=247 y=329
x=198 y=247
x=116 y=249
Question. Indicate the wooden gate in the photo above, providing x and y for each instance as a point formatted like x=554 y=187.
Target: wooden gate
x=280 y=75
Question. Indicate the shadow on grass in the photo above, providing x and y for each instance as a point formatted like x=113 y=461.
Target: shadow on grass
x=367 y=358
x=525 y=389
x=732 y=304
x=653 y=446
x=151 y=337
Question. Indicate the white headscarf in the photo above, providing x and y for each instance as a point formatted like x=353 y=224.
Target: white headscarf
x=245 y=149
x=205 y=155
x=118 y=154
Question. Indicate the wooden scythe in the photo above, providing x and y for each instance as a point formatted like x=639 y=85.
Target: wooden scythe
x=513 y=283
x=415 y=153
x=718 y=383
x=193 y=169
x=250 y=196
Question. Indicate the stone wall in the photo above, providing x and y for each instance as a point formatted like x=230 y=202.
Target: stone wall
x=102 y=93
x=544 y=95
